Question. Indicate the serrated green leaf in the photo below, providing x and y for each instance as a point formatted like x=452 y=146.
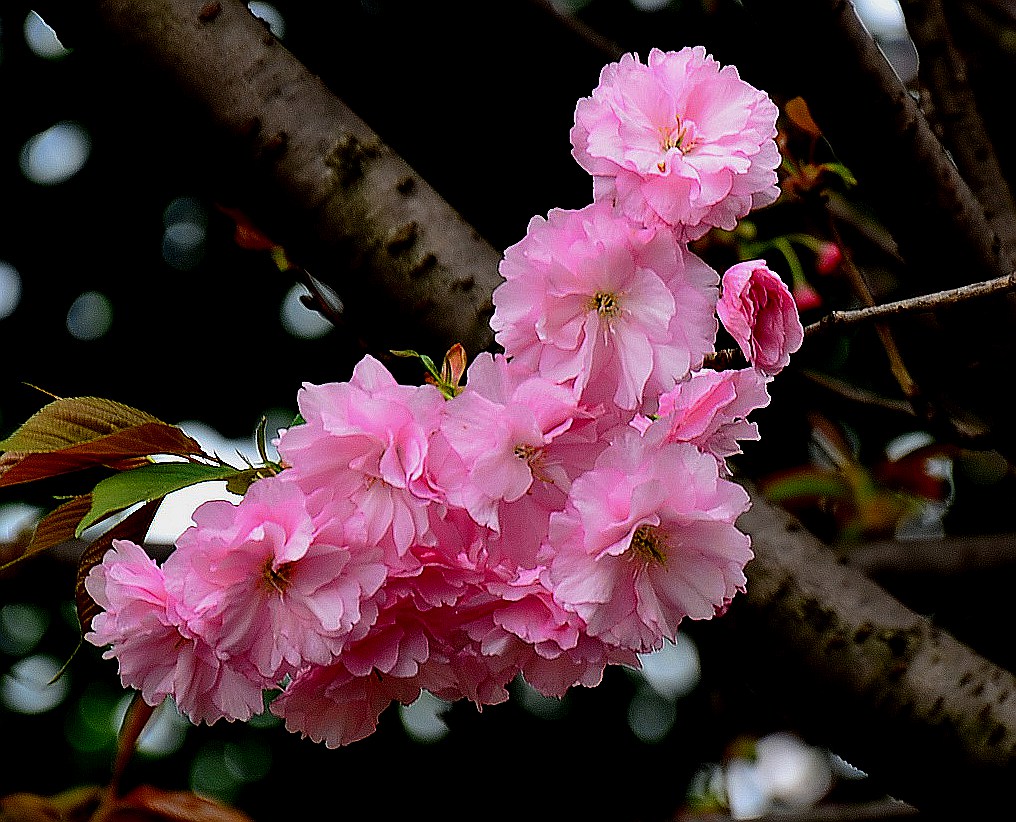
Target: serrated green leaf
x=147 y=484
x=72 y=420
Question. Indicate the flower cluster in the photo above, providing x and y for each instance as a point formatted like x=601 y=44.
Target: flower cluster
x=563 y=510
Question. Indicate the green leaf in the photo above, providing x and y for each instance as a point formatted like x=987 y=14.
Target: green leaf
x=428 y=363
x=806 y=483
x=147 y=484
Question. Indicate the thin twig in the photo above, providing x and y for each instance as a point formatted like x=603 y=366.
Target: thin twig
x=912 y=305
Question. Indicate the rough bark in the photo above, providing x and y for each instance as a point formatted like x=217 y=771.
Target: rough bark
x=316 y=178
x=944 y=73
x=881 y=685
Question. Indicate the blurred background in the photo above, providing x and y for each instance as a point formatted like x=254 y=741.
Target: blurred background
x=120 y=278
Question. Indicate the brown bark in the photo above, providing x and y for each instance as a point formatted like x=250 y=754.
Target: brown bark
x=879 y=684
x=943 y=73
x=315 y=177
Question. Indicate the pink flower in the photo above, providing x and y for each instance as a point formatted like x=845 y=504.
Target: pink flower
x=710 y=410
x=647 y=539
x=758 y=310
x=679 y=140
x=330 y=704
x=366 y=440
x=589 y=297
x=272 y=587
x=145 y=629
x=806 y=297
x=550 y=644
x=501 y=427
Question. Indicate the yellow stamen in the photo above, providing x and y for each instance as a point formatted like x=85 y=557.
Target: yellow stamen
x=605 y=304
x=648 y=543
x=276 y=577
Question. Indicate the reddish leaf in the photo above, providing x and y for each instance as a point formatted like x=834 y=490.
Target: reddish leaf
x=55 y=528
x=73 y=805
x=69 y=421
x=247 y=235
x=111 y=450
x=797 y=112
x=133 y=527
x=146 y=803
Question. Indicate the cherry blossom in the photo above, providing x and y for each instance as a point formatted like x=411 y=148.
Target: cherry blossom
x=679 y=140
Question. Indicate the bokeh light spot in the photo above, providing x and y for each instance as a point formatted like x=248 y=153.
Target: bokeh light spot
x=185 y=220
x=10 y=289
x=298 y=319
x=27 y=687
x=89 y=316
x=22 y=625
x=271 y=15
x=55 y=155
x=41 y=38
x=210 y=777
x=672 y=671
x=650 y=716
x=544 y=707
x=422 y=719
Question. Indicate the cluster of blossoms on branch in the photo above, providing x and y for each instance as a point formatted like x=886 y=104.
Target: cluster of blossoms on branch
x=563 y=510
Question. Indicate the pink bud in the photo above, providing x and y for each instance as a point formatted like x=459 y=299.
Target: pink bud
x=827 y=259
x=806 y=297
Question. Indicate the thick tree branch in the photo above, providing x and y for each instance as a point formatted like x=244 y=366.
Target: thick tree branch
x=346 y=207
x=944 y=557
x=943 y=72
x=877 y=683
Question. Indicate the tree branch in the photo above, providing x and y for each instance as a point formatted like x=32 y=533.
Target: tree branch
x=943 y=72
x=409 y=269
x=866 y=677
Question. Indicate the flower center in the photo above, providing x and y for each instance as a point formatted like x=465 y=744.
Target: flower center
x=276 y=577
x=649 y=544
x=679 y=136
x=533 y=456
x=605 y=304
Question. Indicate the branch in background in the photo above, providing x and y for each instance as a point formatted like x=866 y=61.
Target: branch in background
x=943 y=72
x=859 y=812
x=340 y=201
x=942 y=557
x=866 y=677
